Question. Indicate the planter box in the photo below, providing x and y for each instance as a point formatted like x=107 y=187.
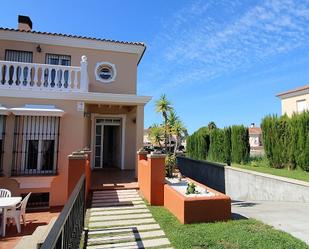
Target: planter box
x=193 y=209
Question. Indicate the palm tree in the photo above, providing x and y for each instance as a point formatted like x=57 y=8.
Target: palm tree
x=156 y=134
x=163 y=106
x=179 y=131
x=172 y=119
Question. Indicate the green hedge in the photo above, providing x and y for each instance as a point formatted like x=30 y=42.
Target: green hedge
x=286 y=140
x=220 y=145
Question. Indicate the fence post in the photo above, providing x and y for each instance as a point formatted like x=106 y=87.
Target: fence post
x=84 y=80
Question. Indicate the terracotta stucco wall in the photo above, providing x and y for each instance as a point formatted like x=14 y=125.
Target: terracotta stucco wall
x=289 y=105
x=126 y=63
x=70 y=139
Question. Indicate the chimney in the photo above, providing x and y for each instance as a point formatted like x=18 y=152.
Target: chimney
x=24 y=23
x=252 y=125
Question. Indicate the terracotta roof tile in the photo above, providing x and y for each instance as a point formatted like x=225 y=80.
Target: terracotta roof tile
x=298 y=89
x=74 y=36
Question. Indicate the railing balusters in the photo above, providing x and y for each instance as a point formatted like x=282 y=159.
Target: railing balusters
x=53 y=77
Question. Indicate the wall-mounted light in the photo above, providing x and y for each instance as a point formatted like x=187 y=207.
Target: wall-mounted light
x=38 y=49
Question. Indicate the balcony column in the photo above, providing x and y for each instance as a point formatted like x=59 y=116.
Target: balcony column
x=84 y=80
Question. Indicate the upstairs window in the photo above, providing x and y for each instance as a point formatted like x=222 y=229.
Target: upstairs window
x=301 y=106
x=58 y=59
x=19 y=56
x=36 y=140
x=105 y=72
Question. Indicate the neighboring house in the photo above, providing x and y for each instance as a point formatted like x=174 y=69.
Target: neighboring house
x=255 y=140
x=295 y=100
x=60 y=93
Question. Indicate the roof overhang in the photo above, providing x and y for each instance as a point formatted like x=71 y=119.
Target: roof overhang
x=61 y=40
x=293 y=93
x=87 y=97
x=37 y=110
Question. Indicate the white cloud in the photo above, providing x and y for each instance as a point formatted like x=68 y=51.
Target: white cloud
x=209 y=39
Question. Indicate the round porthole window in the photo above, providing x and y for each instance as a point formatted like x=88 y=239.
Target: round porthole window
x=105 y=72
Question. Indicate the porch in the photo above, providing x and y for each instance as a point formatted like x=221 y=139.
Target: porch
x=108 y=179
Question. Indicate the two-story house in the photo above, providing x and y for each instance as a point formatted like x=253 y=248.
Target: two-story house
x=60 y=93
x=295 y=100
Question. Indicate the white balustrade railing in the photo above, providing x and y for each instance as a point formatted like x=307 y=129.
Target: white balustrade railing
x=33 y=76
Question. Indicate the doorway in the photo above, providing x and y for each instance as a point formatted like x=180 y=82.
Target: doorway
x=108 y=143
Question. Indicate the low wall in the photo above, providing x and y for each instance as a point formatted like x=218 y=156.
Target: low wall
x=242 y=184
x=207 y=173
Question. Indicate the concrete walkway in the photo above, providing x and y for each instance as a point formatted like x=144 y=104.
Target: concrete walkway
x=120 y=219
x=290 y=217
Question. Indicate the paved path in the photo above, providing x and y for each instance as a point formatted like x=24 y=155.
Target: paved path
x=120 y=219
x=290 y=217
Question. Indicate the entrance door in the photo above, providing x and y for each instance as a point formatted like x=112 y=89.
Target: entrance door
x=107 y=147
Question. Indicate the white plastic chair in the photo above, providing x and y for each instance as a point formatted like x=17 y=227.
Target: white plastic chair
x=5 y=192
x=19 y=212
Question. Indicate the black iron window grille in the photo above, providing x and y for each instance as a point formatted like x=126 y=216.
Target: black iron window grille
x=2 y=136
x=36 y=142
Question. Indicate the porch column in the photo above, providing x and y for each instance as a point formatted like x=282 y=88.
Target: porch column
x=139 y=132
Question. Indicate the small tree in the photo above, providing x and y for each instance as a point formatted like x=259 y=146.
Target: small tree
x=156 y=134
x=163 y=106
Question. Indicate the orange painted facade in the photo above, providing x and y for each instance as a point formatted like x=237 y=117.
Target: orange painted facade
x=151 y=177
x=79 y=164
x=197 y=209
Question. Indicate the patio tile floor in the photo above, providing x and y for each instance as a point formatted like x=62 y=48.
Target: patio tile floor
x=34 y=219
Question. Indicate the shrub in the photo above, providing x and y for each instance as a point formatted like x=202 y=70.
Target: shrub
x=240 y=144
x=286 y=140
x=198 y=144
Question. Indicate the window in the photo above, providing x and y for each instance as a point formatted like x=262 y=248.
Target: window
x=105 y=72
x=35 y=145
x=19 y=56
x=2 y=133
x=301 y=105
x=58 y=59
x=61 y=60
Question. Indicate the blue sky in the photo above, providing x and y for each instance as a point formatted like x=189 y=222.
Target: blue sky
x=221 y=61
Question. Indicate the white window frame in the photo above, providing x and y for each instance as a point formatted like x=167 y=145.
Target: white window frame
x=94 y=117
x=101 y=64
x=25 y=141
x=303 y=104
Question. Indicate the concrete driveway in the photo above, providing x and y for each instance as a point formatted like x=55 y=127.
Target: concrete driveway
x=290 y=217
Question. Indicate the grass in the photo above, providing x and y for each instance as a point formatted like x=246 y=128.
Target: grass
x=261 y=165
x=235 y=234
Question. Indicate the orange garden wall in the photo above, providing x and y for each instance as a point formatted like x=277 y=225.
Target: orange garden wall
x=197 y=209
x=151 y=177
x=79 y=164
x=151 y=180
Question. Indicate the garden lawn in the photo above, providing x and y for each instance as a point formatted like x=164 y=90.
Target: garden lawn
x=236 y=234
x=297 y=174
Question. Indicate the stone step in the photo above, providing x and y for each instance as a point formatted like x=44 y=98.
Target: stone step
x=114 y=204
x=95 y=197
x=119 y=217
x=127 y=237
x=135 y=245
x=106 y=192
x=134 y=206
x=121 y=222
x=116 y=230
x=116 y=212
x=115 y=195
x=116 y=200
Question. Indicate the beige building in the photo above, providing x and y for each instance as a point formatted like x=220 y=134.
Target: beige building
x=255 y=140
x=295 y=100
x=60 y=93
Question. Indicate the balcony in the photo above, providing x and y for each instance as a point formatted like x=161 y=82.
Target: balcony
x=44 y=77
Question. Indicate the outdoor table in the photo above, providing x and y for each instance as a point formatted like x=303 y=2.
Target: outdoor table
x=5 y=204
